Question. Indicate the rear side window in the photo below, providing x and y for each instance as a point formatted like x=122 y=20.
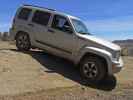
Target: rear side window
x=41 y=17
x=24 y=13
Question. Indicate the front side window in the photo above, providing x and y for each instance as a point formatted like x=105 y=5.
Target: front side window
x=41 y=17
x=80 y=27
x=61 y=23
x=24 y=13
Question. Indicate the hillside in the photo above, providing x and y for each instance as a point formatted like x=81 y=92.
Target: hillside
x=36 y=75
x=126 y=45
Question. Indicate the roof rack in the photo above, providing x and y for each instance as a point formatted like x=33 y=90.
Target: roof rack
x=39 y=7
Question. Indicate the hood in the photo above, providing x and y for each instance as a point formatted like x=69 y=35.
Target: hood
x=102 y=42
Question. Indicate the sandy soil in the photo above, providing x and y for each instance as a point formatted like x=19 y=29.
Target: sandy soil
x=36 y=75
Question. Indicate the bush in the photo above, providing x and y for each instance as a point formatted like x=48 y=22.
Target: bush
x=5 y=36
x=124 y=52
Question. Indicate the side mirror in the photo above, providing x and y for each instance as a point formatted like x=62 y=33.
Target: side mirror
x=68 y=28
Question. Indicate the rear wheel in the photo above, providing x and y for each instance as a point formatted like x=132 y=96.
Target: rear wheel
x=23 y=42
x=92 y=69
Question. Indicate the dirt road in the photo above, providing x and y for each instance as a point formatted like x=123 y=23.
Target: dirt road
x=36 y=75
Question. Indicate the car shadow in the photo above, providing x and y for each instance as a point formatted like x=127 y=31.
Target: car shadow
x=61 y=66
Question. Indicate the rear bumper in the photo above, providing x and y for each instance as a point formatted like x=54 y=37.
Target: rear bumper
x=117 y=66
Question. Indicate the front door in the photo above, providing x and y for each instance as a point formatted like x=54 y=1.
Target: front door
x=63 y=34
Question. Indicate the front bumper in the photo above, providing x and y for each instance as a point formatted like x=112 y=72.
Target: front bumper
x=117 y=66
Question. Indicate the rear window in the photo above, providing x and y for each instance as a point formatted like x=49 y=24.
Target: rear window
x=41 y=17
x=24 y=13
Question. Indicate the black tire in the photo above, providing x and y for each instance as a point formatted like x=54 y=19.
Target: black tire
x=96 y=70
x=23 y=42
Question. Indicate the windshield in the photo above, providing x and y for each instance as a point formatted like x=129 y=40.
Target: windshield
x=80 y=26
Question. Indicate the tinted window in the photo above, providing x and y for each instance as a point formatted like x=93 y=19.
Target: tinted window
x=24 y=14
x=61 y=23
x=41 y=17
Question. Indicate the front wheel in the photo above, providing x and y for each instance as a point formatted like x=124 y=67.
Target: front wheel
x=23 y=42
x=92 y=69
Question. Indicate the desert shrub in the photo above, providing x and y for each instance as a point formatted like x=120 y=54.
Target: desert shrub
x=5 y=36
x=124 y=52
x=0 y=35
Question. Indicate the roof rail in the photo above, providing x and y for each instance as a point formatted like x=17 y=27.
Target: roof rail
x=39 y=7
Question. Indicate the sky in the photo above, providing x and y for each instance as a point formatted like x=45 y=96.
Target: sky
x=109 y=19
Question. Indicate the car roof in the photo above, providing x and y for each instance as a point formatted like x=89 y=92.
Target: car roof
x=49 y=10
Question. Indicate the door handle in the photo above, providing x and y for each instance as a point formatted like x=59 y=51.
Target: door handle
x=51 y=31
x=31 y=25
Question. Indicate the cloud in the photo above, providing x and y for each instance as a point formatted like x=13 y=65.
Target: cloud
x=4 y=27
x=115 y=28
x=121 y=24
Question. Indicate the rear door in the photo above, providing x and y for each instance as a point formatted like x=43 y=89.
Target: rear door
x=39 y=24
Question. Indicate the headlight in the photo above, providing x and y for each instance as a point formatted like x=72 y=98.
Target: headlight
x=116 y=55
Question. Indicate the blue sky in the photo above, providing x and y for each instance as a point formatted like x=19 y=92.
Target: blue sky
x=110 y=19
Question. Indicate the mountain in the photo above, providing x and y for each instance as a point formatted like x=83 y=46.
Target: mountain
x=126 y=45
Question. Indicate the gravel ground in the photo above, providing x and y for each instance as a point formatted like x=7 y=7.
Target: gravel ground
x=26 y=76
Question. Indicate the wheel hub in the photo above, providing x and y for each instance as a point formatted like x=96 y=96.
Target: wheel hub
x=90 y=70
x=22 y=41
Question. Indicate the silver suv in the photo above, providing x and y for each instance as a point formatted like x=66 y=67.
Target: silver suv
x=65 y=36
